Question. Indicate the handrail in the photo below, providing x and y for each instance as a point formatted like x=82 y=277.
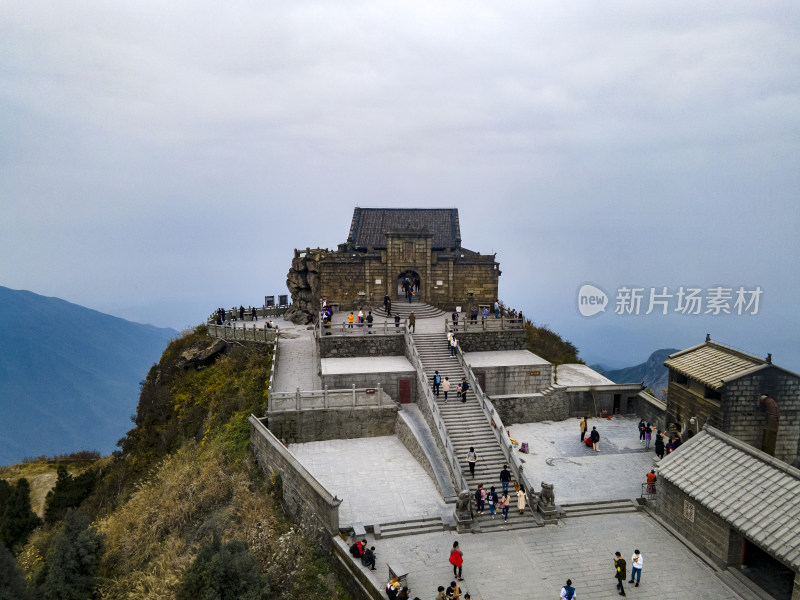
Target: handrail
x=481 y=324
x=356 y=397
x=441 y=429
x=245 y=334
x=345 y=328
x=499 y=429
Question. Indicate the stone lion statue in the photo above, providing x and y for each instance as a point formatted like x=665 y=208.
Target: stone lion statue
x=463 y=502
x=547 y=496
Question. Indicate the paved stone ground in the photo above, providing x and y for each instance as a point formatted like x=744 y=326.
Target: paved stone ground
x=377 y=478
x=579 y=473
x=297 y=365
x=533 y=564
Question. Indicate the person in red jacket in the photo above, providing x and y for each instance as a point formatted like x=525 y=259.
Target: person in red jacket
x=457 y=560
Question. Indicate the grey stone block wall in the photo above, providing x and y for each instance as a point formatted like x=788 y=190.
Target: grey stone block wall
x=484 y=341
x=532 y=408
x=652 y=412
x=388 y=381
x=594 y=403
x=303 y=497
x=350 y=346
x=745 y=416
x=333 y=423
x=708 y=532
x=507 y=381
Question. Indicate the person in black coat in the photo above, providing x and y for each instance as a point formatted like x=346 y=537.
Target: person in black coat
x=659 y=446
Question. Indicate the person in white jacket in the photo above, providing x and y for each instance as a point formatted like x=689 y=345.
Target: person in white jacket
x=636 y=567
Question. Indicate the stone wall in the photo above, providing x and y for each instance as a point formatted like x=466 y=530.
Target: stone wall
x=357 y=580
x=304 y=498
x=708 y=532
x=532 y=408
x=390 y=382
x=351 y=346
x=409 y=440
x=745 y=417
x=687 y=401
x=582 y=403
x=485 y=341
x=515 y=380
x=652 y=411
x=332 y=424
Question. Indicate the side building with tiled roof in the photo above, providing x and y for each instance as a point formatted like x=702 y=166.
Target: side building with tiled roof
x=385 y=247
x=745 y=396
x=739 y=506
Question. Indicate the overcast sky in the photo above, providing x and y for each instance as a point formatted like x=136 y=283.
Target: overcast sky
x=159 y=159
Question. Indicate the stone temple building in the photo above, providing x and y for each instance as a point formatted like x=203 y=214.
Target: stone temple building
x=745 y=396
x=384 y=247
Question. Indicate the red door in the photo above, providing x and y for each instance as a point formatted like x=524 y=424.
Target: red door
x=404 y=390
x=481 y=377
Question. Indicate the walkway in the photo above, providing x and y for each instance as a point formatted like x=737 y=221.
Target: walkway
x=297 y=360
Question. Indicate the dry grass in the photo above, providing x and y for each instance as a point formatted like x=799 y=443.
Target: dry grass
x=42 y=477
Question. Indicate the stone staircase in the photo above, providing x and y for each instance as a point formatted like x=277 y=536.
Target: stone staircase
x=409 y=527
x=587 y=509
x=467 y=426
x=403 y=308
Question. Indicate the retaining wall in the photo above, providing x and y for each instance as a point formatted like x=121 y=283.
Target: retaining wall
x=333 y=423
x=351 y=346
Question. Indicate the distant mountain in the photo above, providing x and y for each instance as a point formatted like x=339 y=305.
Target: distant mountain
x=652 y=372
x=69 y=375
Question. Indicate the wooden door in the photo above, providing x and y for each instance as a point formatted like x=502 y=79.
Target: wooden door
x=404 y=391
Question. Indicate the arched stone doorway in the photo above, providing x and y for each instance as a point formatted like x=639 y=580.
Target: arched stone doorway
x=412 y=279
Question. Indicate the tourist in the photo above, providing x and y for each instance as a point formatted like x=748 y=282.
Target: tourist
x=440 y=595
x=472 y=458
x=496 y=309
x=485 y=313
x=457 y=560
x=480 y=498
x=357 y=549
x=386 y=301
x=360 y=317
x=455 y=319
x=368 y=558
x=412 y=321
x=505 y=478
x=636 y=567
x=473 y=314
x=595 y=437
x=464 y=389
x=651 y=482
x=392 y=588
x=450 y=336
x=505 y=502
x=254 y=314
x=369 y=321
x=404 y=594
x=350 y=318
x=396 y=321
x=659 y=444
x=648 y=435
x=491 y=498
x=389 y=308
x=445 y=388
x=584 y=426
x=641 y=427
x=620 y=573
x=521 y=499
x=241 y=312
x=437 y=381
x=453 y=346
x=453 y=592
x=567 y=591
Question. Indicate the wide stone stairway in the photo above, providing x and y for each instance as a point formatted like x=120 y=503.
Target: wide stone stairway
x=403 y=308
x=468 y=426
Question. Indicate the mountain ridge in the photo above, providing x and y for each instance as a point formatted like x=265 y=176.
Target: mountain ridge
x=59 y=359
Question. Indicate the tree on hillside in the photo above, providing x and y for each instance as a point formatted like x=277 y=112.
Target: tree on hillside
x=71 y=563
x=12 y=582
x=222 y=572
x=68 y=492
x=544 y=342
x=17 y=519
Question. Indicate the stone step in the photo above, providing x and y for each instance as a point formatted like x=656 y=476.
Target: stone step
x=587 y=509
x=409 y=527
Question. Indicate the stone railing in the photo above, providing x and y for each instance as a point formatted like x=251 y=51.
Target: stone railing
x=499 y=431
x=323 y=399
x=384 y=328
x=432 y=408
x=262 y=312
x=487 y=324
x=243 y=334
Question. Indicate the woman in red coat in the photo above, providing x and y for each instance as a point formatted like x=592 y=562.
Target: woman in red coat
x=457 y=559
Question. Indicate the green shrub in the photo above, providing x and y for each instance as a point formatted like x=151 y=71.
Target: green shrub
x=17 y=519
x=68 y=492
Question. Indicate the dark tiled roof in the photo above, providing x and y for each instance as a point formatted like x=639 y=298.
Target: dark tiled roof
x=756 y=493
x=713 y=364
x=370 y=225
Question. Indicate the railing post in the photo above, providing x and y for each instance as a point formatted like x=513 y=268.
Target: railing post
x=380 y=394
x=325 y=395
x=297 y=399
x=354 y=395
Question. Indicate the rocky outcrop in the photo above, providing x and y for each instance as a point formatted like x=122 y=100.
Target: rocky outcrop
x=201 y=355
x=303 y=283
